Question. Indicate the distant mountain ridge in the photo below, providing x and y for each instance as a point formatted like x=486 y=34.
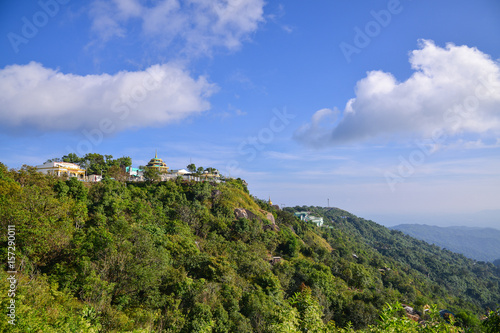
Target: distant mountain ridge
x=476 y=243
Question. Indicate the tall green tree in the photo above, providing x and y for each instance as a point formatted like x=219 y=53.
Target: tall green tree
x=152 y=174
x=72 y=158
x=310 y=312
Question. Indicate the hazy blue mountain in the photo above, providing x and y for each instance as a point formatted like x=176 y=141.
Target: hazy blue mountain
x=476 y=243
x=483 y=219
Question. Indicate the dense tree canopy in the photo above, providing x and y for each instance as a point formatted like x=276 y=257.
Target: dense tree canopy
x=174 y=257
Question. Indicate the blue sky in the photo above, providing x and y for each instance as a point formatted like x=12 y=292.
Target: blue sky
x=389 y=109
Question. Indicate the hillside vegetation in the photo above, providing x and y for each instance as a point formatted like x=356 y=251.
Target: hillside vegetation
x=476 y=243
x=173 y=257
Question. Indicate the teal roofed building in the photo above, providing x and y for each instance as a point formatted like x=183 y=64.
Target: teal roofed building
x=301 y=215
x=134 y=172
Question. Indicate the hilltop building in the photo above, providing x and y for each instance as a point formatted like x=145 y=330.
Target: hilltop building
x=180 y=172
x=134 y=173
x=158 y=164
x=214 y=174
x=62 y=169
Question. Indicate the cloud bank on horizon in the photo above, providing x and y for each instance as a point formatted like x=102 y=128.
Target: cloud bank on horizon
x=454 y=90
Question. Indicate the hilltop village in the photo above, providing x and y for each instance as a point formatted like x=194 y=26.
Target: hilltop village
x=156 y=169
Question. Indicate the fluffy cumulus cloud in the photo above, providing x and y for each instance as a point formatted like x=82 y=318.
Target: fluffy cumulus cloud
x=35 y=97
x=454 y=90
x=199 y=25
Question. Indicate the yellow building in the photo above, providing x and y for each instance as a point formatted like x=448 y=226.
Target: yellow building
x=158 y=164
x=62 y=169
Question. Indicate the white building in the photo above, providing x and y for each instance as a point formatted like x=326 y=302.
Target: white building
x=62 y=169
x=314 y=219
x=305 y=216
x=180 y=172
x=94 y=178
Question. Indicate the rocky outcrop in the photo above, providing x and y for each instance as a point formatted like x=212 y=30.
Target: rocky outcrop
x=270 y=217
x=240 y=213
x=245 y=213
x=216 y=195
x=412 y=313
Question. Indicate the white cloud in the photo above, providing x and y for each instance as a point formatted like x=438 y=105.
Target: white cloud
x=199 y=25
x=320 y=127
x=277 y=155
x=35 y=97
x=454 y=90
x=106 y=26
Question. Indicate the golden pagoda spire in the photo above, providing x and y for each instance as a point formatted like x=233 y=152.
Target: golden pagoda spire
x=270 y=202
x=156 y=153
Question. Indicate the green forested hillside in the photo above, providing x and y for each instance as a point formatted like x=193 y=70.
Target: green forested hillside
x=477 y=243
x=173 y=257
x=437 y=272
